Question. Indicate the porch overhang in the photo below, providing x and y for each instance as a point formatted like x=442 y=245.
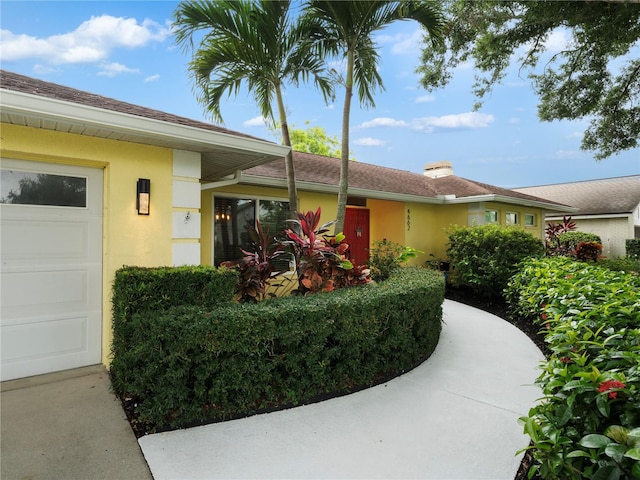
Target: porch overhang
x=222 y=153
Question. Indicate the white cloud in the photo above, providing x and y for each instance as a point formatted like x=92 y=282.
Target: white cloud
x=152 y=78
x=425 y=99
x=384 y=122
x=91 y=42
x=255 y=122
x=113 y=69
x=557 y=41
x=468 y=120
x=461 y=120
x=575 y=135
x=369 y=142
x=403 y=43
x=514 y=121
x=330 y=107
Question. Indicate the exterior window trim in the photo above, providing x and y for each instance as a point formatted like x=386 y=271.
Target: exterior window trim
x=486 y=216
x=516 y=217
x=532 y=216
x=255 y=198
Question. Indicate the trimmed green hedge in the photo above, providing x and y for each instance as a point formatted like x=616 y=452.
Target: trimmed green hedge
x=140 y=289
x=485 y=257
x=186 y=365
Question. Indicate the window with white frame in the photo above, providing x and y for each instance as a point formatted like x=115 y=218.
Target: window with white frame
x=233 y=215
x=491 y=216
x=529 y=220
x=512 y=218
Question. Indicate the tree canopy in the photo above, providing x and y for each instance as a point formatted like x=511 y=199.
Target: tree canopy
x=258 y=44
x=594 y=76
x=345 y=29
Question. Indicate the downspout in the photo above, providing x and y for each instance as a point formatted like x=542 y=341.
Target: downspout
x=237 y=176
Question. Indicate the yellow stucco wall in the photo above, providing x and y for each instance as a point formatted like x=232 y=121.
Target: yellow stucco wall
x=386 y=220
x=128 y=238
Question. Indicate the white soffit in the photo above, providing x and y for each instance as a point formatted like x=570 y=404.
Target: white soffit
x=222 y=153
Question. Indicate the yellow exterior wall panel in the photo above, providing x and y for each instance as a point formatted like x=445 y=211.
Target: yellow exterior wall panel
x=128 y=238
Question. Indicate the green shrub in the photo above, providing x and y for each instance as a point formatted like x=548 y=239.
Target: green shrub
x=385 y=257
x=621 y=264
x=485 y=257
x=633 y=248
x=321 y=260
x=572 y=239
x=588 y=251
x=588 y=422
x=192 y=364
x=139 y=289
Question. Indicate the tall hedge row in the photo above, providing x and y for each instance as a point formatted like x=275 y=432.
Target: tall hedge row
x=191 y=364
x=140 y=289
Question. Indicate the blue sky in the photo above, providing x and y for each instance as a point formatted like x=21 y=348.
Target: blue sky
x=124 y=50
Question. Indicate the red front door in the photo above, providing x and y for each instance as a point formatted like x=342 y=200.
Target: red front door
x=356 y=230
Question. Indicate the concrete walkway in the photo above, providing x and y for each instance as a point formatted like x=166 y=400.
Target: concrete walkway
x=453 y=417
x=67 y=425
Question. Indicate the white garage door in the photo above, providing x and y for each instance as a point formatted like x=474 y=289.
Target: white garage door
x=51 y=275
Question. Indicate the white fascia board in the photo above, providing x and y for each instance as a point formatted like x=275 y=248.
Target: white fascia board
x=591 y=217
x=513 y=201
x=35 y=106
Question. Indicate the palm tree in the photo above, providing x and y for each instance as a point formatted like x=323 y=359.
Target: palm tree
x=346 y=28
x=252 y=42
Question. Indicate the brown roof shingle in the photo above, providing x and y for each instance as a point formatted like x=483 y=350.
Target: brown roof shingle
x=319 y=169
x=21 y=83
x=593 y=197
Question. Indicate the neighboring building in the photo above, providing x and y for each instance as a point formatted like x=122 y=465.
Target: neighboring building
x=71 y=166
x=608 y=207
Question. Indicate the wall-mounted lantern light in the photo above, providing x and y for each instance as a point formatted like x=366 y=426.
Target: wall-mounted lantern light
x=143 y=196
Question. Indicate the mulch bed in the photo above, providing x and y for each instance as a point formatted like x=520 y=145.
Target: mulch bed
x=500 y=309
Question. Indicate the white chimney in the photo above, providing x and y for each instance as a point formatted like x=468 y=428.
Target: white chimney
x=438 y=169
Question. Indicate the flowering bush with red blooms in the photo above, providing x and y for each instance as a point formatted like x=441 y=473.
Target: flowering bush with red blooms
x=587 y=425
x=609 y=385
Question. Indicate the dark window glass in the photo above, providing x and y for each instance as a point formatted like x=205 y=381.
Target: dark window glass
x=30 y=188
x=232 y=217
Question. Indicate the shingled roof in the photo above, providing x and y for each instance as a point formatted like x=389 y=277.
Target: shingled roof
x=363 y=177
x=30 y=102
x=21 y=83
x=617 y=195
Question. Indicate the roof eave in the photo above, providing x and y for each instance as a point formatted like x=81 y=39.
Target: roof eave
x=50 y=109
x=594 y=216
x=326 y=188
x=400 y=197
x=514 y=201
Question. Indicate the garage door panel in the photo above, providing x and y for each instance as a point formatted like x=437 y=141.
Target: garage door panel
x=40 y=240
x=43 y=338
x=51 y=269
x=56 y=290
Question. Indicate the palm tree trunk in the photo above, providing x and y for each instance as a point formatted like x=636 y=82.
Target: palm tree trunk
x=343 y=186
x=286 y=140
